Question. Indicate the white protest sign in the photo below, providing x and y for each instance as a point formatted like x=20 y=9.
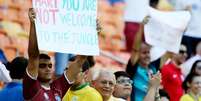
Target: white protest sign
x=165 y=29
x=67 y=26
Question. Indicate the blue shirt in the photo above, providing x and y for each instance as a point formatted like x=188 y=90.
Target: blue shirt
x=12 y=92
x=141 y=83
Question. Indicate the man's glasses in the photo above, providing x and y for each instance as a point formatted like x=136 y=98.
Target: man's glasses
x=124 y=81
x=182 y=51
x=197 y=83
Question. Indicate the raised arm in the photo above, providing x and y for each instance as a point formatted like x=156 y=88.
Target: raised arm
x=33 y=50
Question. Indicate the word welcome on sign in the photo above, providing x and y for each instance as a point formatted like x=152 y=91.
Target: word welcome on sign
x=62 y=22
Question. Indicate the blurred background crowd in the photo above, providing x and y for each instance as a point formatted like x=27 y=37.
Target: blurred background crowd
x=118 y=41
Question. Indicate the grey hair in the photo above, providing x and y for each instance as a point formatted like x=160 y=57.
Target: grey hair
x=96 y=72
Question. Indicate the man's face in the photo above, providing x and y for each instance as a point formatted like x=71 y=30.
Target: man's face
x=144 y=58
x=82 y=76
x=105 y=84
x=45 y=70
x=123 y=87
x=181 y=56
x=195 y=85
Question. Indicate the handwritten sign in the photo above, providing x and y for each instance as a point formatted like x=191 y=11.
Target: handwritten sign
x=165 y=29
x=67 y=26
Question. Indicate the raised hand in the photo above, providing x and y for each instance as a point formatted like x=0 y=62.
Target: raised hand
x=146 y=20
x=32 y=15
x=155 y=80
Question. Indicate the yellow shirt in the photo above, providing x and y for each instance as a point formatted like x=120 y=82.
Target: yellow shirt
x=85 y=94
x=187 y=97
x=112 y=98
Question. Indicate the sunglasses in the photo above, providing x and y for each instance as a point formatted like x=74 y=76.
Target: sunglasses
x=182 y=51
x=124 y=81
x=43 y=65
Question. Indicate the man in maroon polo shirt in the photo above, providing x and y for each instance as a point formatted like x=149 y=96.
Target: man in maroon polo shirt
x=37 y=83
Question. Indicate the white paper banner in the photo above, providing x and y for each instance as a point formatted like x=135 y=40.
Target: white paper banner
x=165 y=29
x=67 y=26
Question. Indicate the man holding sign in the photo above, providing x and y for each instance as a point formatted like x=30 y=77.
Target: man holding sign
x=37 y=83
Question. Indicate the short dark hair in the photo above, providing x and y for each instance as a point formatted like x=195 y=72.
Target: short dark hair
x=88 y=63
x=17 y=67
x=44 y=56
x=121 y=73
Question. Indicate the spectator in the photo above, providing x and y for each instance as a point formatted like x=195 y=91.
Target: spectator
x=171 y=72
x=37 y=82
x=124 y=85
x=140 y=72
x=104 y=82
x=194 y=84
x=80 y=90
x=186 y=66
x=196 y=69
x=13 y=90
